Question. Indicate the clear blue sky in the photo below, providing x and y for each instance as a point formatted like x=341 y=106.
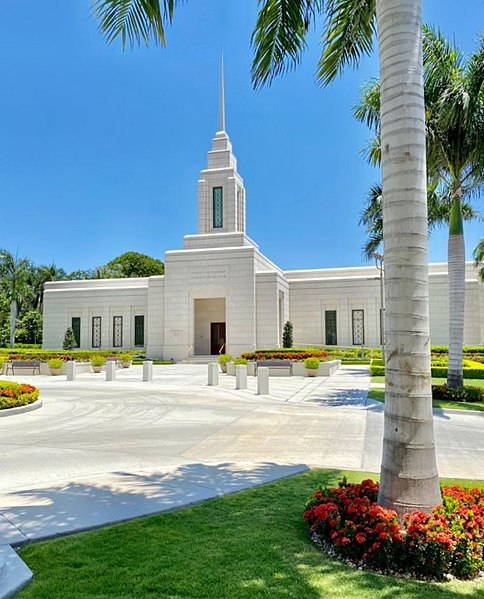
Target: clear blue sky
x=100 y=149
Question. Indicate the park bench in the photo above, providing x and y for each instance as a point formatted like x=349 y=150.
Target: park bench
x=13 y=365
x=275 y=365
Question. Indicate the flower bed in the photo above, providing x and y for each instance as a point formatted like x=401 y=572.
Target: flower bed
x=286 y=354
x=13 y=395
x=347 y=522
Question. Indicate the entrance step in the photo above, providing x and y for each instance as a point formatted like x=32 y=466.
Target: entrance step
x=200 y=360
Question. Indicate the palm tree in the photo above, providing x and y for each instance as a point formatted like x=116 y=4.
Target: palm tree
x=409 y=478
x=454 y=102
x=14 y=281
x=40 y=276
x=478 y=256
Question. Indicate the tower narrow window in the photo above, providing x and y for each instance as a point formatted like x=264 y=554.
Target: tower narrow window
x=218 y=215
x=76 y=328
x=96 y=331
x=117 y=331
x=139 y=331
x=330 y=327
x=358 y=318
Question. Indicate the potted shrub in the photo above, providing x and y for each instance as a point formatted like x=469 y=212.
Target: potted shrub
x=126 y=360
x=223 y=360
x=312 y=366
x=239 y=361
x=97 y=362
x=55 y=366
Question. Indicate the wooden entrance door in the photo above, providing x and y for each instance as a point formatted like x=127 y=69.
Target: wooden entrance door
x=217 y=337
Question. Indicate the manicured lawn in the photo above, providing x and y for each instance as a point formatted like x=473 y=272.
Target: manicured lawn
x=249 y=545
x=379 y=395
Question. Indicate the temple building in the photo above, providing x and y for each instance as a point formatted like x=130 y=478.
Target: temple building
x=221 y=294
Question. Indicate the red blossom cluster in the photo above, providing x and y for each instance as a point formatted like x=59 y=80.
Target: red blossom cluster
x=448 y=541
x=296 y=356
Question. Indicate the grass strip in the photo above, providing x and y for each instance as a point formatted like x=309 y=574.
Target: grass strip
x=379 y=395
x=250 y=545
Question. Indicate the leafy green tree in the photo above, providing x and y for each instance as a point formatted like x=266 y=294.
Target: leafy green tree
x=69 y=340
x=31 y=326
x=454 y=102
x=479 y=258
x=80 y=275
x=287 y=335
x=349 y=30
x=14 y=282
x=41 y=275
x=134 y=264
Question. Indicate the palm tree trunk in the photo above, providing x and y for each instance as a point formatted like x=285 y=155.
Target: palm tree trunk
x=409 y=478
x=457 y=281
x=13 y=319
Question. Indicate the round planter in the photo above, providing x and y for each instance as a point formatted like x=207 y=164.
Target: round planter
x=312 y=371
x=55 y=371
x=96 y=368
x=126 y=364
x=223 y=367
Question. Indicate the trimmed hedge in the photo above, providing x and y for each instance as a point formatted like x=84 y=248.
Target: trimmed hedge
x=80 y=355
x=472 y=394
x=284 y=354
x=13 y=395
x=477 y=372
x=467 y=349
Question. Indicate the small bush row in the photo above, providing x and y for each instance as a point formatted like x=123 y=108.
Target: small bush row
x=13 y=395
x=295 y=355
x=44 y=355
x=472 y=394
x=348 y=522
x=474 y=372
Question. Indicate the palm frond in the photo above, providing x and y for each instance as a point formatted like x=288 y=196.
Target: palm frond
x=279 y=37
x=368 y=108
x=478 y=256
x=134 y=21
x=348 y=35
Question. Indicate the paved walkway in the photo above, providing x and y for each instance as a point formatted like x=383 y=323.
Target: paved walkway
x=100 y=452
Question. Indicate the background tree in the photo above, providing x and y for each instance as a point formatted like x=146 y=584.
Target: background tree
x=287 y=335
x=30 y=327
x=134 y=264
x=351 y=25
x=479 y=258
x=454 y=103
x=41 y=275
x=14 y=282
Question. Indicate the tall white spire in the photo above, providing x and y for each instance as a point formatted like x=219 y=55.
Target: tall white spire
x=222 y=95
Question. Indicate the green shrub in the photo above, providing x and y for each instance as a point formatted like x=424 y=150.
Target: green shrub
x=69 y=340
x=312 y=363
x=240 y=361
x=98 y=360
x=472 y=394
x=79 y=355
x=225 y=358
x=13 y=395
x=125 y=357
x=55 y=363
x=296 y=355
x=287 y=335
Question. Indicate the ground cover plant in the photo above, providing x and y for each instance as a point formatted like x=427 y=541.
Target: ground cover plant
x=13 y=395
x=250 y=545
x=347 y=521
x=43 y=355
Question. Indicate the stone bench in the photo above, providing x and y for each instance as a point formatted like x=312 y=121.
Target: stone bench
x=13 y=365
x=275 y=366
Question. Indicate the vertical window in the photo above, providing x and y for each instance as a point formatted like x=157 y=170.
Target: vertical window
x=96 y=331
x=139 y=331
x=218 y=215
x=76 y=327
x=358 y=320
x=330 y=327
x=117 y=331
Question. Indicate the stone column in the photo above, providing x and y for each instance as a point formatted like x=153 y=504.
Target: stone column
x=71 y=370
x=111 y=370
x=231 y=368
x=263 y=381
x=147 y=371
x=212 y=375
x=241 y=376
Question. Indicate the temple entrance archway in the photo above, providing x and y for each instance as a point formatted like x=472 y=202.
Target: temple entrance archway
x=210 y=326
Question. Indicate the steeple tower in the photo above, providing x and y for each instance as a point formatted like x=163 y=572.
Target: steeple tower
x=221 y=193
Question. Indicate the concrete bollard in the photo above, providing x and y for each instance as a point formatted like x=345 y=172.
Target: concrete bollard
x=263 y=381
x=251 y=368
x=231 y=368
x=241 y=376
x=147 y=371
x=71 y=370
x=111 y=370
x=212 y=374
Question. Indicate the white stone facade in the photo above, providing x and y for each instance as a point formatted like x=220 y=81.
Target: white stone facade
x=220 y=293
